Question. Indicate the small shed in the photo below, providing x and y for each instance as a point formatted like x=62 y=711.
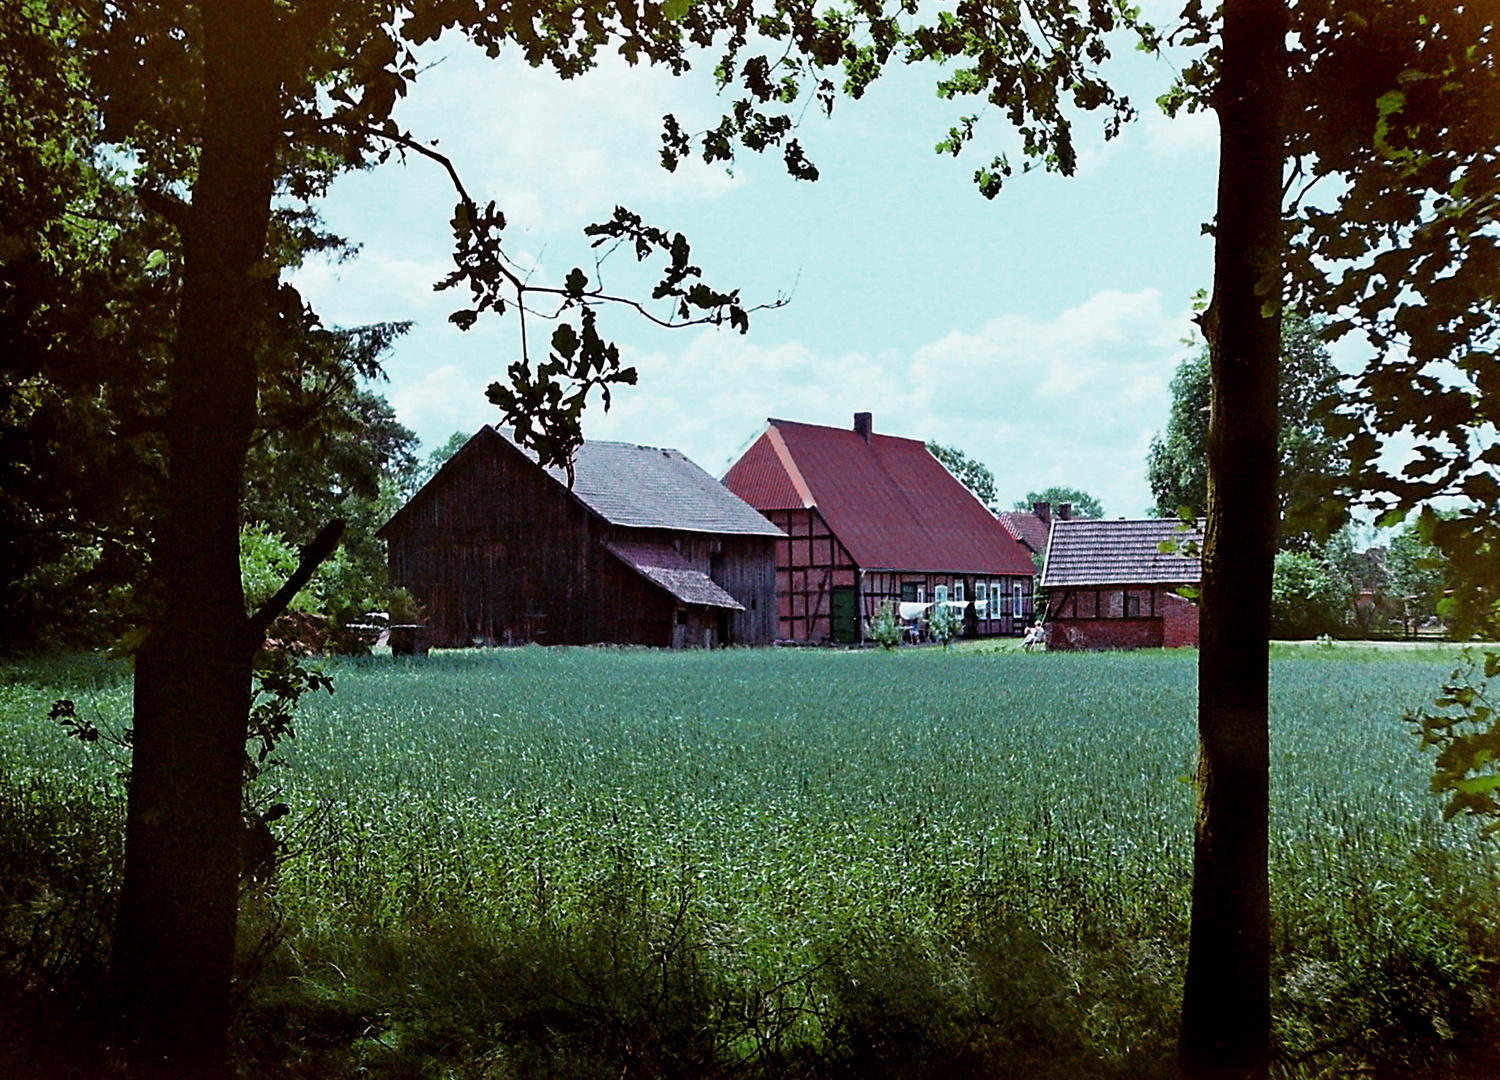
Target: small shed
x=1110 y=586
x=645 y=548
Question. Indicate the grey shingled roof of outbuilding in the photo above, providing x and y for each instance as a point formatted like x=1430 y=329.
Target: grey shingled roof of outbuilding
x=661 y=565
x=1100 y=552
x=647 y=487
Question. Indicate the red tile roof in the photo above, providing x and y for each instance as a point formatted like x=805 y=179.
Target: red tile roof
x=1027 y=528
x=890 y=502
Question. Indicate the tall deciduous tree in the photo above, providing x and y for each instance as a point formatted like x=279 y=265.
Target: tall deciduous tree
x=221 y=105
x=1081 y=503
x=974 y=475
x=1226 y=1006
x=1403 y=249
x=1311 y=459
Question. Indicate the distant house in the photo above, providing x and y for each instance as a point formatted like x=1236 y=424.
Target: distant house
x=1110 y=586
x=873 y=518
x=1032 y=529
x=646 y=549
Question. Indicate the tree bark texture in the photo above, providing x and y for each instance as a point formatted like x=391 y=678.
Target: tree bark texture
x=1226 y=1016
x=174 y=941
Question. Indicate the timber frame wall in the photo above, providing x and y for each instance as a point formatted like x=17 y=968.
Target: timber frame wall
x=811 y=563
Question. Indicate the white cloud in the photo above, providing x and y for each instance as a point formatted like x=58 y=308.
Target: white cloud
x=545 y=148
x=1072 y=401
x=1187 y=133
x=445 y=400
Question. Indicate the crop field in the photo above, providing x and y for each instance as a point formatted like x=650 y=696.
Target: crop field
x=805 y=862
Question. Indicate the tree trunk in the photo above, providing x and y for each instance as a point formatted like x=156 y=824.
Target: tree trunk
x=174 y=937
x=1226 y=1015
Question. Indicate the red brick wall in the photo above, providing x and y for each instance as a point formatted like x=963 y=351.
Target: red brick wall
x=1179 y=621
x=1066 y=634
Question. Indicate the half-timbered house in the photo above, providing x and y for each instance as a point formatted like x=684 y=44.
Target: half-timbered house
x=645 y=548
x=1110 y=585
x=871 y=518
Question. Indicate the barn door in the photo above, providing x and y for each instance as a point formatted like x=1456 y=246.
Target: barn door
x=843 y=608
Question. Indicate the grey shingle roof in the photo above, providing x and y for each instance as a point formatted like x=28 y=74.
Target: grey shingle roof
x=1098 y=552
x=663 y=566
x=647 y=487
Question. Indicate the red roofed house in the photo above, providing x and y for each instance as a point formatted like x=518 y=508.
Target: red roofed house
x=645 y=548
x=1110 y=586
x=1032 y=529
x=872 y=518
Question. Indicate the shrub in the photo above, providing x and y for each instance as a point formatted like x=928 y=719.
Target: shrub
x=886 y=629
x=1305 y=601
x=945 y=623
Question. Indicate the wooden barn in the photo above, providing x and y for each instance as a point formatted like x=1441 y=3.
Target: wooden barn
x=1110 y=586
x=871 y=518
x=646 y=549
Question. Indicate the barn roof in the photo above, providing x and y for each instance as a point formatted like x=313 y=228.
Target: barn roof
x=1099 y=552
x=889 y=501
x=665 y=566
x=648 y=487
x=635 y=486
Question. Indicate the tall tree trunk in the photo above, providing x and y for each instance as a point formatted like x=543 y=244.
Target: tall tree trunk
x=1226 y=1014
x=174 y=940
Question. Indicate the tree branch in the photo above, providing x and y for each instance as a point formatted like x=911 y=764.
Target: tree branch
x=406 y=142
x=167 y=205
x=312 y=557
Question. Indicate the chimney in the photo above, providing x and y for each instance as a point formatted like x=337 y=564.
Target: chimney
x=863 y=424
x=1043 y=510
x=1065 y=511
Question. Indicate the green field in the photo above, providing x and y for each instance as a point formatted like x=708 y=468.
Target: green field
x=822 y=863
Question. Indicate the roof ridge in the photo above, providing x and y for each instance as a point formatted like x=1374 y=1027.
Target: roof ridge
x=789 y=463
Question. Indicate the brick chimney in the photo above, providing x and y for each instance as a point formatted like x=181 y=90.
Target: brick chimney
x=1043 y=510
x=863 y=425
x=1065 y=511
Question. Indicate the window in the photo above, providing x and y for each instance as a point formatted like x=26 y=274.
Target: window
x=1016 y=608
x=982 y=599
x=940 y=594
x=911 y=592
x=921 y=594
x=958 y=591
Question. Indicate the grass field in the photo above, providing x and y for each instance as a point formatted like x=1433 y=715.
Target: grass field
x=822 y=863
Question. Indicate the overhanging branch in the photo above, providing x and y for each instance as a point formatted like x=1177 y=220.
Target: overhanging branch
x=312 y=557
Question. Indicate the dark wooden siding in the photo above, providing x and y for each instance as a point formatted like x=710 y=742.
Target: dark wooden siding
x=499 y=553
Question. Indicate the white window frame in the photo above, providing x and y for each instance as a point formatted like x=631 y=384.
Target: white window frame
x=958 y=592
x=1019 y=601
x=982 y=599
x=921 y=594
x=940 y=594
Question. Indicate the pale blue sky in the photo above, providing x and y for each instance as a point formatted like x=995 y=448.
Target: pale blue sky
x=1038 y=332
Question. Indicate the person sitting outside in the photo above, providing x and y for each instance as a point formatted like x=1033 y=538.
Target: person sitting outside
x=1034 y=636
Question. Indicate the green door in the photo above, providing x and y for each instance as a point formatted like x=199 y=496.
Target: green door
x=845 y=619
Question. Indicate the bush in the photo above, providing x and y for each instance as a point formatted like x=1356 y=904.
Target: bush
x=944 y=624
x=886 y=629
x=1305 y=600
